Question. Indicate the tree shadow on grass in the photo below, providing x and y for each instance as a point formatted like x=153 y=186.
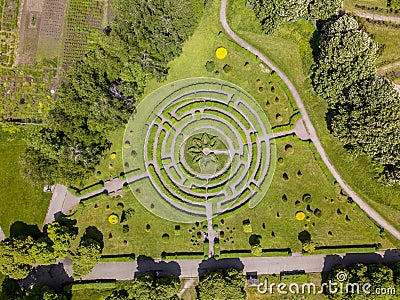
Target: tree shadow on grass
x=93 y=233
x=19 y=228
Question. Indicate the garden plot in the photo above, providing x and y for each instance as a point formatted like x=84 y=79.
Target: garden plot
x=84 y=19
x=8 y=31
x=26 y=95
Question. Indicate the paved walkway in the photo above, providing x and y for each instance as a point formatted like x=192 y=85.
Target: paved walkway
x=308 y=125
x=56 y=203
x=2 y=235
x=261 y=265
x=377 y=17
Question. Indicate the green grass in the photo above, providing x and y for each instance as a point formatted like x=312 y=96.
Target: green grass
x=350 y=4
x=139 y=241
x=48 y=48
x=390 y=38
x=19 y=200
x=284 y=48
x=200 y=49
x=325 y=196
x=90 y=294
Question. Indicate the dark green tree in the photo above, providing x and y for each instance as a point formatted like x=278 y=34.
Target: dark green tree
x=221 y=285
x=87 y=255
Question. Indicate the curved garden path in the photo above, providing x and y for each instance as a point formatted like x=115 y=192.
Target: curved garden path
x=377 y=17
x=388 y=67
x=308 y=124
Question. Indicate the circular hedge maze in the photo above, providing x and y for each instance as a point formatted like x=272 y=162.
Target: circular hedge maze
x=196 y=148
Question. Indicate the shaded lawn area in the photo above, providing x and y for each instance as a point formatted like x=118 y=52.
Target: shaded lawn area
x=19 y=201
x=284 y=48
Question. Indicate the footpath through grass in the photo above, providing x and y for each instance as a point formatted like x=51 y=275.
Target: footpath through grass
x=290 y=48
x=19 y=201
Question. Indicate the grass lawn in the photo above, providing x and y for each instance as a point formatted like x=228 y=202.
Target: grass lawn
x=350 y=4
x=388 y=36
x=297 y=173
x=90 y=294
x=140 y=239
x=246 y=71
x=274 y=218
x=284 y=48
x=19 y=200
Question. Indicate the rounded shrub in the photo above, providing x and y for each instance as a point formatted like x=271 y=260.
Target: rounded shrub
x=148 y=228
x=300 y=215
x=113 y=219
x=165 y=238
x=113 y=155
x=127 y=144
x=289 y=149
x=221 y=53
x=318 y=213
x=307 y=198
x=210 y=66
x=227 y=69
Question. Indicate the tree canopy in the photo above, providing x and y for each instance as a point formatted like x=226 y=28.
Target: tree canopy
x=221 y=285
x=274 y=13
x=145 y=286
x=98 y=93
x=363 y=111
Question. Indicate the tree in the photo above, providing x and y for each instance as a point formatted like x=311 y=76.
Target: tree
x=98 y=93
x=62 y=238
x=10 y=290
x=15 y=257
x=274 y=13
x=323 y=10
x=86 y=257
x=221 y=285
x=346 y=56
x=145 y=286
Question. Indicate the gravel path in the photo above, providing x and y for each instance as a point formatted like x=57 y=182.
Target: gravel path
x=377 y=17
x=388 y=67
x=308 y=125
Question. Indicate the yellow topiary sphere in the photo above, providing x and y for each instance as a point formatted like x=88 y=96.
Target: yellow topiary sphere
x=113 y=155
x=221 y=53
x=300 y=216
x=113 y=219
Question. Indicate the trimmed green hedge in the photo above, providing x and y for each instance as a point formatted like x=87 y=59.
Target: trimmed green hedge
x=181 y=255
x=247 y=253
x=92 y=188
x=120 y=258
x=98 y=285
x=346 y=249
